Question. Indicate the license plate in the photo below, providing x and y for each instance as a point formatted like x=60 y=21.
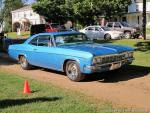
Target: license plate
x=115 y=66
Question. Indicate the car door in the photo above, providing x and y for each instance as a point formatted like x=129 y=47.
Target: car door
x=117 y=26
x=42 y=51
x=99 y=33
x=90 y=32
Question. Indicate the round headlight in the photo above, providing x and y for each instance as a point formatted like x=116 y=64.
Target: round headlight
x=126 y=55
x=97 y=60
x=94 y=61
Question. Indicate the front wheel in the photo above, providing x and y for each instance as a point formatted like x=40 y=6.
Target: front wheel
x=73 y=71
x=107 y=37
x=24 y=63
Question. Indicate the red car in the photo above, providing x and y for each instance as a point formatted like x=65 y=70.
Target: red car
x=51 y=27
x=42 y=28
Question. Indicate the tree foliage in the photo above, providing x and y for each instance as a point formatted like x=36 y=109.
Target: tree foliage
x=8 y=6
x=84 y=11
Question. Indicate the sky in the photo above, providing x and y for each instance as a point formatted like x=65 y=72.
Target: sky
x=30 y=1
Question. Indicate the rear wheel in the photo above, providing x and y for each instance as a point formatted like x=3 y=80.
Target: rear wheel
x=24 y=63
x=73 y=71
x=127 y=34
x=107 y=37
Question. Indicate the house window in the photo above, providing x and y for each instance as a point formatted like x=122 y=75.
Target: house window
x=124 y=19
x=137 y=8
x=138 y=18
x=31 y=14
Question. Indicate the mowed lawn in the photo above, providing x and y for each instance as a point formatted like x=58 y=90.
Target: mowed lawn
x=23 y=34
x=45 y=98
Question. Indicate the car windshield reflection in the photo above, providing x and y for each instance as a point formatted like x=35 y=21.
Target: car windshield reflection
x=106 y=28
x=125 y=24
x=71 y=39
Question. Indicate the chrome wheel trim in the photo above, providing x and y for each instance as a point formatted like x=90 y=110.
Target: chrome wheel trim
x=107 y=37
x=23 y=61
x=72 y=71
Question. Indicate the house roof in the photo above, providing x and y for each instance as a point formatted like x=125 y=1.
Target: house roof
x=28 y=7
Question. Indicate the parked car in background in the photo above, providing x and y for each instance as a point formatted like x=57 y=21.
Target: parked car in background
x=100 y=33
x=51 y=27
x=71 y=52
x=127 y=29
x=42 y=28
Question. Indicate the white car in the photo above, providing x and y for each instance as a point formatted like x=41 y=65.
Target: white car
x=100 y=33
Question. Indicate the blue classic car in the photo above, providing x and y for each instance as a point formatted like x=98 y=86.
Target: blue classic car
x=71 y=52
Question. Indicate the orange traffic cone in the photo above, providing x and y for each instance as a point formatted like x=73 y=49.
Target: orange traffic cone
x=26 y=89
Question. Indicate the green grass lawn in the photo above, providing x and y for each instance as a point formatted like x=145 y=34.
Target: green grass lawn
x=45 y=98
x=25 y=34
x=148 y=30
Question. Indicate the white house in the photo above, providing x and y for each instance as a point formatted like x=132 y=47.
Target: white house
x=24 y=17
x=134 y=15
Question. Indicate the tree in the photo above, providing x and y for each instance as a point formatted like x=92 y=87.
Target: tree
x=1 y=14
x=52 y=10
x=8 y=6
x=84 y=11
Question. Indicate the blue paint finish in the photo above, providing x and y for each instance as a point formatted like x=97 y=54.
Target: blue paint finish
x=54 y=57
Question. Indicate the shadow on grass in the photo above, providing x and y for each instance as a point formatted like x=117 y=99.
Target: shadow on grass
x=143 y=46
x=15 y=102
x=124 y=74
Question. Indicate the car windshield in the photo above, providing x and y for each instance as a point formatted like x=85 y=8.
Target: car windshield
x=71 y=39
x=125 y=24
x=106 y=28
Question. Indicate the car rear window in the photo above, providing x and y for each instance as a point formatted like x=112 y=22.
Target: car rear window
x=110 y=25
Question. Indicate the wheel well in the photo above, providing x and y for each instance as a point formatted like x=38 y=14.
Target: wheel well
x=127 y=31
x=20 y=56
x=64 y=65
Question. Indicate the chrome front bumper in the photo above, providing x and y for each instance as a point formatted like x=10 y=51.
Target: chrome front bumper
x=110 y=66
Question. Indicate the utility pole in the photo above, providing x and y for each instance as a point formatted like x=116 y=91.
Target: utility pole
x=144 y=19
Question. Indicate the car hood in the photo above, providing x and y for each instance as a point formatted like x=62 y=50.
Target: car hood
x=98 y=49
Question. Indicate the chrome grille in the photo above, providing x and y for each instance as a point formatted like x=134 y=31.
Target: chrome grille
x=115 y=58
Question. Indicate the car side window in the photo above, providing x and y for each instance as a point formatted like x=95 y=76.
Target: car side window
x=97 y=29
x=110 y=24
x=44 y=40
x=117 y=25
x=34 y=41
x=90 y=28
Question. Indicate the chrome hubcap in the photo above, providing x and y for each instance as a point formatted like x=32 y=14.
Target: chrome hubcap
x=23 y=61
x=72 y=71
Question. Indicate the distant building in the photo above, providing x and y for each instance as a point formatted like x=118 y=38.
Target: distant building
x=24 y=17
x=134 y=14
